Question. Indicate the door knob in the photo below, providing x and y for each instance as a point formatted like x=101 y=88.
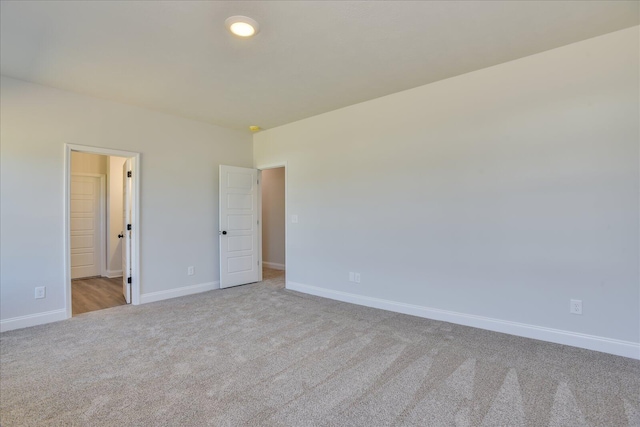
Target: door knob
x=120 y=236
x=224 y=232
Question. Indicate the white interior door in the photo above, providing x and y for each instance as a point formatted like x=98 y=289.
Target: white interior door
x=239 y=254
x=85 y=222
x=126 y=231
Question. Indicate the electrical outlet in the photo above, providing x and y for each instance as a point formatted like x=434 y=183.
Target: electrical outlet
x=575 y=306
x=357 y=277
x=191 y=270
x=41 y=292
x=352 y=276
x=294 y=219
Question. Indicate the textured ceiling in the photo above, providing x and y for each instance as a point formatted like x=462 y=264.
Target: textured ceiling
x=309 y=57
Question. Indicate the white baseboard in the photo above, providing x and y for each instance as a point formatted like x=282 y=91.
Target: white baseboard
x=32 y=320
x=558 y=336
x=273 y=265
x=178 y=292
x=113 y=273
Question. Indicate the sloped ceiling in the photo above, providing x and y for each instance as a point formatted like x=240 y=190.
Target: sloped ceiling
x=309 y=57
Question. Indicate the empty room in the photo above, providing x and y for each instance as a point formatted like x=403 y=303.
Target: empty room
x=320 y=213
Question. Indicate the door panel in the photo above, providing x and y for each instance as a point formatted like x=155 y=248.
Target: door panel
x=85 y=218
x=238 y=226
x=239 y=243
x=126 y=240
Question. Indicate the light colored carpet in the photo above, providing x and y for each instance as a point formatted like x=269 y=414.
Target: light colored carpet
x=262 y=355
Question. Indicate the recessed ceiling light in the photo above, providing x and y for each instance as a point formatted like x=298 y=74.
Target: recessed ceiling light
x=242 y=26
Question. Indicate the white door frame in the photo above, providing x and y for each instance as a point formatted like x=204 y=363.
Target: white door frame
x=135 y=215
x=260 y=168
x=103 y=218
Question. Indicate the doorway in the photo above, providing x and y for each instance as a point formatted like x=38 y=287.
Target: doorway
x=273 y=226
x=101 y=253
x=273 y=223
x=253 y=223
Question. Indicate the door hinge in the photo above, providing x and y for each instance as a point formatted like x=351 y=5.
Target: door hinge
x=128 y=279
x=128 y=174
x=128 y=227
x=258 y=262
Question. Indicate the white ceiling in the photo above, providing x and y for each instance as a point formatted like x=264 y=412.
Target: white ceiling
x=309 y=57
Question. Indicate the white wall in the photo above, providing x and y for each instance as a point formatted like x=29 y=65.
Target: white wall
x=88 y=163
x=501 y=193
x=115 y=225
x=179 y=191
x=273 y=218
